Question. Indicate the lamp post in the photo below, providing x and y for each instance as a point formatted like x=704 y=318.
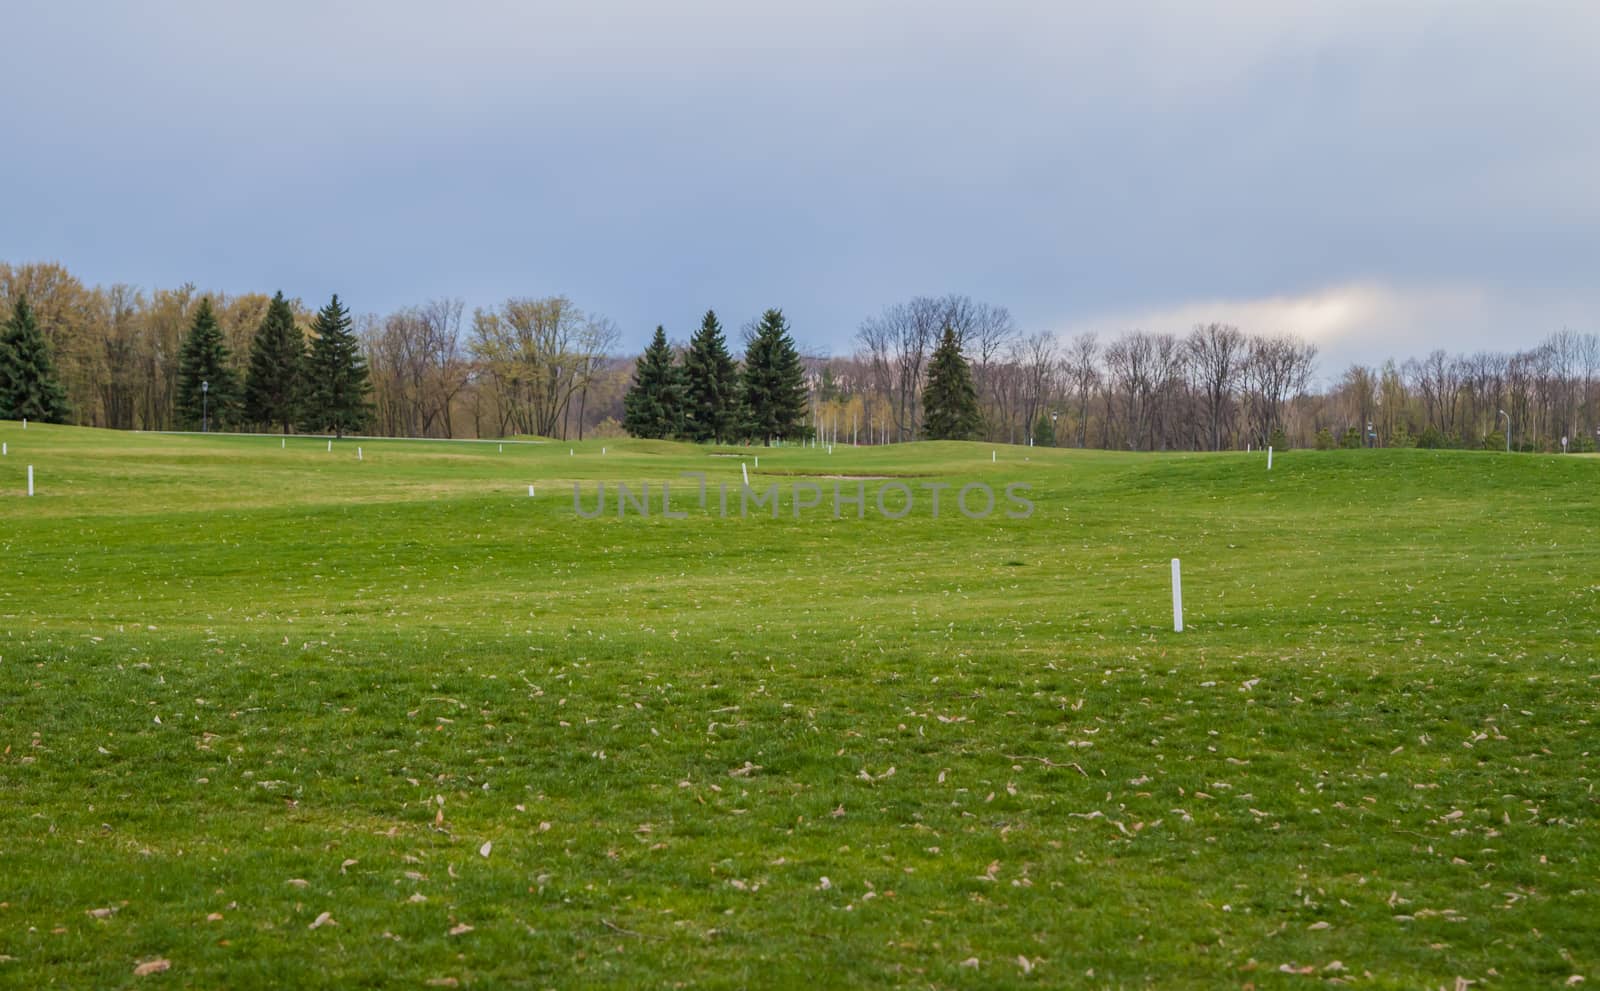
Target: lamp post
x=1508 y=430
x=205 y=407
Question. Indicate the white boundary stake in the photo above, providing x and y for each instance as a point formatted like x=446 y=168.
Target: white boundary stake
x=5 y=449
x=30 y=480
x=746 y=471
x=994 y=457
x=283 y=444
x=1177 y=598
x=1269 y=459
x=358 y=454
x=330 y=447
x=758 y=462
x=502 y=449
x=530 y=492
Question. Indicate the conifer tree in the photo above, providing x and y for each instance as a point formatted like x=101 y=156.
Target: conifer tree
x=336 y=385
x=653 y=406
x=1044 y=431
x=277 y=359
x=28 y=386
x=711 y=385
x=208 y=390
x=774 y=392
x=950 y=400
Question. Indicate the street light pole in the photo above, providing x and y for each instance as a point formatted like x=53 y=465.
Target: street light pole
x=205 y=407
x=1508 y=430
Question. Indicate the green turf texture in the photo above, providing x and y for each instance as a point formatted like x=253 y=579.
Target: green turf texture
x=243 y=685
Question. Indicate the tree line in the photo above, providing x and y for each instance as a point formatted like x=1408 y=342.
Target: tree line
x=546 y=366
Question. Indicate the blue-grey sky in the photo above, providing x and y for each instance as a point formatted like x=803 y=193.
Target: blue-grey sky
x=1383 y=177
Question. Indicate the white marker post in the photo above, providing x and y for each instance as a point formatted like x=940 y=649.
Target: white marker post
x=530 y=492
x=1177 y=598
x=745 y=471
x=994 y=456
x=358 y=454
x=24 y=423
x=5 y=449
x=30 y=480
x=330 y=447
x=1269 y=459
x=283 y=444
x=758 y=462
x=602 y=451
x=502 y=449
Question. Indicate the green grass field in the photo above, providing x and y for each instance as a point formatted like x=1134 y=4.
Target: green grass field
x=280 y=718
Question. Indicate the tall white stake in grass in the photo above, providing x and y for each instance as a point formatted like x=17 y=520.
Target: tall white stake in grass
x=1177 y=598
x=30 y=480
x=358 y=454
x=5 y=449
x=530 y=492
x=745 y=471
x=1269 y=458
x=330 y=447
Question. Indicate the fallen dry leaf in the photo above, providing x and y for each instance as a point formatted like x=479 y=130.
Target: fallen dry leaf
x=483 y=851
x=152 y=967
x=457 y=930
x=325 y=919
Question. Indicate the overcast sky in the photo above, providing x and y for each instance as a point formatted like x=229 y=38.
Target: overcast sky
x=1383 y=178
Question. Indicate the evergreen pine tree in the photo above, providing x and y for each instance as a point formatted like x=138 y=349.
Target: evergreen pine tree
x=1044 y=431
x=207 y=388
x=653 y=406
x=336 y=386
x=774 y=382
x=28 y=386
x=950 y=400
x=277 y=357
x=711 y=385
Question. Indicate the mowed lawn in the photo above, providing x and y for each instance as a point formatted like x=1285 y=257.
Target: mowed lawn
x=272 y=716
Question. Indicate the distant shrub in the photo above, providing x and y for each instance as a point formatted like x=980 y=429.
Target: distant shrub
x=1324 y=439
x=1351 y=439
x=1279 y=440
x=1432 y=439
x=1494 y=441
x=1402 y=437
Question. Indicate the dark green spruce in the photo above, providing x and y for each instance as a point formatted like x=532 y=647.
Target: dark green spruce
x=272 y=385
x=950 y=400
x=653 y=406
x=711 y=385
x=336 y=385
x=28 y=386
x=774 y=383
x=208 y=390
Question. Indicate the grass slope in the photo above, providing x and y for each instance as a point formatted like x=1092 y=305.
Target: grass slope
x=243 y=685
